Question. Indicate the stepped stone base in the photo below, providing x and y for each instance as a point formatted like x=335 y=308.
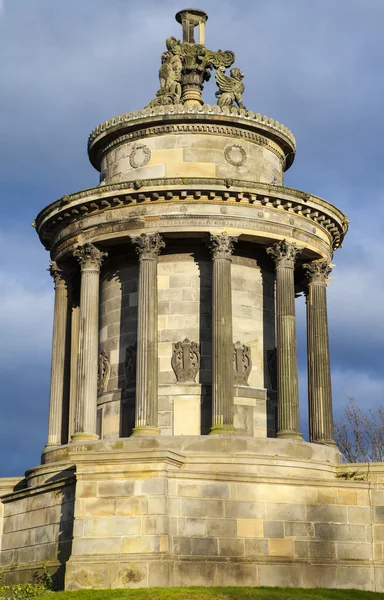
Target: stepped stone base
x=195 y=510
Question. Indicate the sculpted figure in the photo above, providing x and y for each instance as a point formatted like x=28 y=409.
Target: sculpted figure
x=170 y=80
x=231 y=88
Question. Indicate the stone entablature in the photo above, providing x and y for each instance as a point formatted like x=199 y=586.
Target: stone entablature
x=67 y=217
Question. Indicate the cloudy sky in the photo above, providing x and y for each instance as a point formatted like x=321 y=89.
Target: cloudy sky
x=67 y=65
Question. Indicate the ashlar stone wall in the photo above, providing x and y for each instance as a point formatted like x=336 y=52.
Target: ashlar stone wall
x=184 y=311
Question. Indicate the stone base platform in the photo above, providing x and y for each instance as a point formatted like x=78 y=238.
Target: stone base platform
x=204 y=510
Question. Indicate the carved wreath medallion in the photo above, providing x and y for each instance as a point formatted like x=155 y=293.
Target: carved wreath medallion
x=235 y=155
x=140 y=156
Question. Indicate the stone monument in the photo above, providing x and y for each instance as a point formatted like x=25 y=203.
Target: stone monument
x=174 y=452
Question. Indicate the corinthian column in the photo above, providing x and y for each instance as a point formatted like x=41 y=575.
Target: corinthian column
x=284 y=254
x=222 y=342
x=90 y=259
x=146 y=419
x=58 y=402
x=319 y=370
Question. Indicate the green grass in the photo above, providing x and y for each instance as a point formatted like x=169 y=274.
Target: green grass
x=217 y=593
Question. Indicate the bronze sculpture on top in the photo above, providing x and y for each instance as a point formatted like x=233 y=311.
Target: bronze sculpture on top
x=175 y=454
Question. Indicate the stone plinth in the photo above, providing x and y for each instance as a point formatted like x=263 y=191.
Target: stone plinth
x=199 y=510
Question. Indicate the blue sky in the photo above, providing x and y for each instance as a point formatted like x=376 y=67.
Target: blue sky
x=314 y=65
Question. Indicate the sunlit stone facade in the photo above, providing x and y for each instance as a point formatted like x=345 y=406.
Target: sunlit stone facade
x=174 y=453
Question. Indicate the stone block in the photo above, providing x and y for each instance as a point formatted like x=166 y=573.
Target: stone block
x=327 y=514
x=301 y=549
x=284 y=548
x=231 y=547
x=182 y=546
x=222 y=528
x=215 y=490
x=273 y=529
x=340 y=532
x=159 y=574
x=359 y=514
x=236 y=575
x=322 y=550
x=202 y=508
x=193 y=527
x=296 y=529
x=348 y=497
x=186 y=415
x=99 y=545
x=244 y=510
x=285 y=512
x=113 y=489
x=378 y=533
x=250 y=528
x=353 y=551
x=144 y=543
x=125 y=575
x=193 y=574
x=137 y=505
x=157 y=505
x=204 y=546
x=154 y=486
x=191 y=169
x=189 y=490
x=155 y=524
x=379 y=514
x=256 y=548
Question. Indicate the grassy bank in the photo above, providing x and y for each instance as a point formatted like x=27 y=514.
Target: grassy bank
x=218 y=593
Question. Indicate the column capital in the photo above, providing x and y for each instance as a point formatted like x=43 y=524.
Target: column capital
x=89 y=257
x=318 y=271
x=148 y=246
x=62 y=275
x=222 y=245
x=284 y=254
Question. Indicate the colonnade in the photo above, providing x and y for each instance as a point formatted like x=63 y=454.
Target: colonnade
x=85 y=330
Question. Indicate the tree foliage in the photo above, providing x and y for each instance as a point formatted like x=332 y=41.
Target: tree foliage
x=359 y=433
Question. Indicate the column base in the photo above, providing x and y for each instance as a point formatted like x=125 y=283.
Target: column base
x=83 y=436
x=51 y=446
x=146 y=430
x=223 y=429
x=290 y=435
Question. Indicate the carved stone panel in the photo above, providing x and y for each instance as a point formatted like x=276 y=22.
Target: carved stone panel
x=130 y=364
x=104 y=372
x=185 y=360
x=242 y=363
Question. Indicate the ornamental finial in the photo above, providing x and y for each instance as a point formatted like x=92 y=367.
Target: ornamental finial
x=187 y=64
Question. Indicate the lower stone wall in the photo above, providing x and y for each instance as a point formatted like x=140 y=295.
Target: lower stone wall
x=200 y=511
x=37 y=530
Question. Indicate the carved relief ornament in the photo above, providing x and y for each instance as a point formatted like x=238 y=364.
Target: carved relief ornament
x=242 y=363
x=185 y=360
x=148 y=245
x=104 y=372
x=235 y=155
x=140 y=156
x=89 y=256
x=284 y=254
x=318 y=271
x=130 y=364
x=222 y=245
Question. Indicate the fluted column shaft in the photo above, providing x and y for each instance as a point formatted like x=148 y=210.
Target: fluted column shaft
x=59 y=351
x=319 y=369
x=222 y=342
x=73 y=369
x=90 y=259
x=146 y=419
x=284 y=255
